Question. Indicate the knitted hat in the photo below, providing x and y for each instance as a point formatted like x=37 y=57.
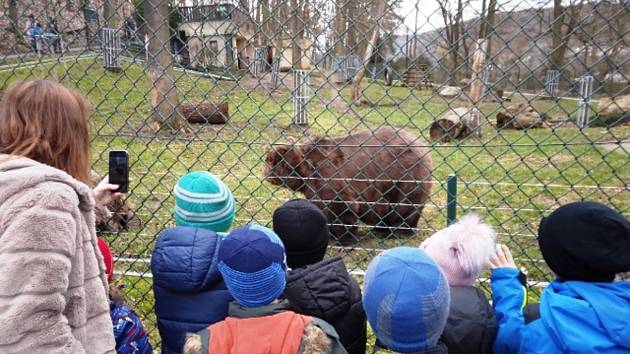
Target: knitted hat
x=406 y=300
x=463 y=250
x=585 y=241
x=107 y=257
x=252 y=263
x=303 y=229
x=202 y=200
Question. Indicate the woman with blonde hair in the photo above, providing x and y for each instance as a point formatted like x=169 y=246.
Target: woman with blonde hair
x=53 y=283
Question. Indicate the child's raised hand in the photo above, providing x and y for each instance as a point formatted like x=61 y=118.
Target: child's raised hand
x=503 y=258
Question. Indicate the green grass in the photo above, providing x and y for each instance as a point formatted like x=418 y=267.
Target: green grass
x=510 y=177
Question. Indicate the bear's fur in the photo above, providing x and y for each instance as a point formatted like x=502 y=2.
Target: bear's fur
x=380 y=177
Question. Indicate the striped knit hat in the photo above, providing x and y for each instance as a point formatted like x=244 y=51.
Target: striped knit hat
x=202 y=200
x=253 y=265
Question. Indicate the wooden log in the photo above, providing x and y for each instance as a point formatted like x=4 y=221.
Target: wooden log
x=205 y=112
x=455 y=124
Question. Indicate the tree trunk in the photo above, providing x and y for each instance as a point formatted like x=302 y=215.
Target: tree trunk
x=296 y=50
x=14 y=25
x=476 y=81
x=160 y=68
x=378 y=11
x=110 y=14
x=340 y=28
x=560 y=38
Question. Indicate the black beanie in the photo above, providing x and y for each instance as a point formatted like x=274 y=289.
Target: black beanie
x=585 y=241
x=303 y=229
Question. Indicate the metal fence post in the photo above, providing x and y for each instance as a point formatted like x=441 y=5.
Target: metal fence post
x=552 y=82
x=586 y=91
x=485 y=78
x=111 y=49
x=451 y=199
x=275 y=73
x=259 y=54
x=301 y=93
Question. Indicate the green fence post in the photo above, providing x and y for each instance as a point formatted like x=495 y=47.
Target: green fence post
x=451 y=199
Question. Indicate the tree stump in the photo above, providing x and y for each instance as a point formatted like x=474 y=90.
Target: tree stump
x=455 y=124
x=205 y=112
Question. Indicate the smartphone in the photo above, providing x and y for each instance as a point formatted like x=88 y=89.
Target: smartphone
x=119 y=170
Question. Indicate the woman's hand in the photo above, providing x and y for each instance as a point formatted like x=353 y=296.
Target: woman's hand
x=104 y=192
x=503 y=259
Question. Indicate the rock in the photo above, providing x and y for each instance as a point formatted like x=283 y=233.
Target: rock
x=450 y=92
x=613 y=110
x=520 y=116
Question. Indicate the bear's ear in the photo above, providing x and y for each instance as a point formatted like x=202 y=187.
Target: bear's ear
x=324 y=150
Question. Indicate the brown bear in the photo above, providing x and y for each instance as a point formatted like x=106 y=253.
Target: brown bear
x=381 y=177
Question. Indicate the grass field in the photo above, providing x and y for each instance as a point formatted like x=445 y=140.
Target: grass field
x=510 y=177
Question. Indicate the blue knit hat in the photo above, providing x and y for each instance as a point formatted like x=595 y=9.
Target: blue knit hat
x=406 y=299
x=252 y=263
x=202 y=200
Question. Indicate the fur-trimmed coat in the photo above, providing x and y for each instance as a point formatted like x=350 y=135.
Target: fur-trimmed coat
x=53 y=286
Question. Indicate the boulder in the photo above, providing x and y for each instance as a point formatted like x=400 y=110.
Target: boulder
x=450 y=92
x=520 y=116
x=613 y=110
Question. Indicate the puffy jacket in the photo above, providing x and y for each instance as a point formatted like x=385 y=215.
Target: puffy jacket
x=326 y=290
x=471 y=326
x=189 y=291
x=575 y=317
x=131 y=337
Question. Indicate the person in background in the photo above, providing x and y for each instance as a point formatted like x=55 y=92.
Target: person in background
x=584 y=310
x=406 y=300
x=36 y=37
x=252 y=262
x=318 y=287
x=189 y=291
x=53 y=281
x=463 y=251
x=54 y=36
x=130 y=335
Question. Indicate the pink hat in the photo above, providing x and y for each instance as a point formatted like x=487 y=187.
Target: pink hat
x=463 y=250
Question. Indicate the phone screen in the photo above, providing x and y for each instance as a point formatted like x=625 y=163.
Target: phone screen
x=119 y=170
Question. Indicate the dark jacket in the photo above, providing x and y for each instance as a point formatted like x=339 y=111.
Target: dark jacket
x=189 y=291
x=471 y=326
x=326 y=290
x=262 y=342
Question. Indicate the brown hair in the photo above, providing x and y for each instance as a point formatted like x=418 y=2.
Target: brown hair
x=46 y=122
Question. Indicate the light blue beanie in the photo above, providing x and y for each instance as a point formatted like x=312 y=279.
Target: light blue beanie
x=203 y=200
x=406 y=299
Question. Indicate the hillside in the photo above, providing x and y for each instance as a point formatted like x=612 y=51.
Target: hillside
x=523 y=37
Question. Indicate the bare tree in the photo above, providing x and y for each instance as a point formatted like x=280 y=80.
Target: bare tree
x=160 y=68
x=378 y=13
x=110 y=13
x=564 y=22
x=453 y=16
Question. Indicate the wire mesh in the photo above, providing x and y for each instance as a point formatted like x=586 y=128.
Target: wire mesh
x=382 y=75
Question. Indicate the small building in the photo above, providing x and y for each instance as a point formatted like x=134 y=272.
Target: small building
x=283 y=49
x=218 y=35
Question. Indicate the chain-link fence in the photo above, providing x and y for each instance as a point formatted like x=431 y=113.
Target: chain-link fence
x=392 y=115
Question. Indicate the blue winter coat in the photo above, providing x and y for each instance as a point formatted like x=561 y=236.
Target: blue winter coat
x=189 y=291
x=130 y=335
x=575 y=317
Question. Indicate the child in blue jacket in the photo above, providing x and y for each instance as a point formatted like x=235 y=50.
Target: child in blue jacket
x=190 y=293
x=584 y=310
x=130 y=335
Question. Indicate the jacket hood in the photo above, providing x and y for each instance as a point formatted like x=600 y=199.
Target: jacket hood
x=322 y=289
x=587 y=317
x=19 y=173
x=185 y=259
